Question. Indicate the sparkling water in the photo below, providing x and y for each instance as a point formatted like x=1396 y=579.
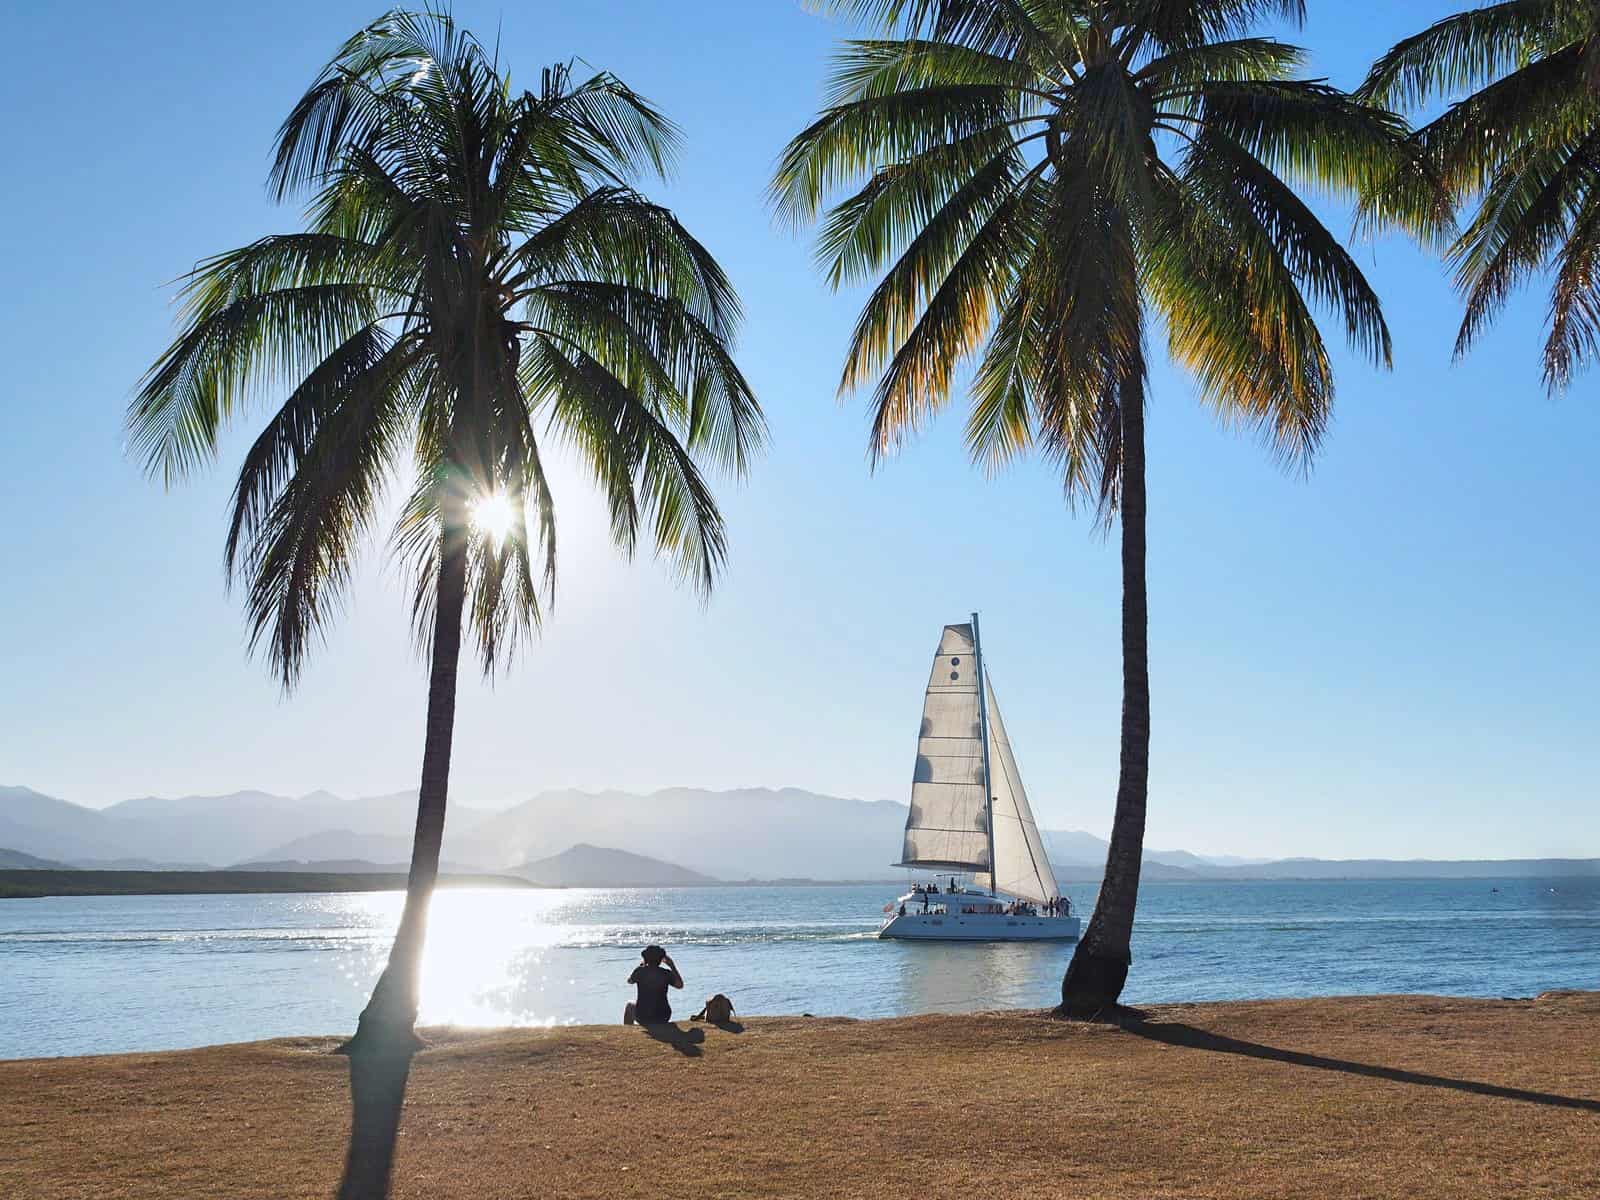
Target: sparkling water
x=87 y=975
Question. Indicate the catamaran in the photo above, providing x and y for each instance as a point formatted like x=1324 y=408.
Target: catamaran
x=970 y=818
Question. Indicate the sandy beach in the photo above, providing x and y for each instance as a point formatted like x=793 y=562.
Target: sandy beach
x=1369 y=1096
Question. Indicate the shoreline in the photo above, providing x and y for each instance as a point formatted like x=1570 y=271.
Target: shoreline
x=437 y=1037
x=1363 y=1095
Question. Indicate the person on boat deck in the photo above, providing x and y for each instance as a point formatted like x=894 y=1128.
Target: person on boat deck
x=652 y=979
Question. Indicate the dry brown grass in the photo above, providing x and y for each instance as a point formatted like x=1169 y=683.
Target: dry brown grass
x=1378 y=1096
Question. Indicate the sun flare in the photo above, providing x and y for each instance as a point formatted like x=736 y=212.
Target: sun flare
x=494 y=516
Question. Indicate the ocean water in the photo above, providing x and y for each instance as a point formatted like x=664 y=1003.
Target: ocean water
x=91 y=975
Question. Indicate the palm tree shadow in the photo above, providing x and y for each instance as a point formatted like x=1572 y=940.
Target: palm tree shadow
x=685 y=1041
x=729 y=1026
x=1179 y=1034
x=377 y=1096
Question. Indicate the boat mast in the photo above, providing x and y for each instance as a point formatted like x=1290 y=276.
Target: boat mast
x=983 y=737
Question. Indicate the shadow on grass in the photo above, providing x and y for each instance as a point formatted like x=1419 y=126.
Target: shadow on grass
x=377 y=1096
x=684 y=1041
x=1179 y=1034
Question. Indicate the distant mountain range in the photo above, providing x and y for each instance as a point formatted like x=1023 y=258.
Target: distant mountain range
x=751 y=833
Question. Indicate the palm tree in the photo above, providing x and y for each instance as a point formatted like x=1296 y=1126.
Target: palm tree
x=1031 y=183
x=1525 y=145
x=478 y=280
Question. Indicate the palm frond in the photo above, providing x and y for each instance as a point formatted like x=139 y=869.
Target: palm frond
x=1308 y=132
x=1545 y=104
x=1236 y=318
x=1468 y=49
x=1575 y=298
x=934 y=306
x=477 y=271
x=248 y=344
x=303 y=546
x=1523 y=220
x=648 y=476
x=670 y=359
x=851 y=142
x=1236 y=188
x=1208 y=62
x=1003 y=28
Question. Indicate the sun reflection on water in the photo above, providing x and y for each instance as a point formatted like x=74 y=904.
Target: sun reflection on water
x=488 y=951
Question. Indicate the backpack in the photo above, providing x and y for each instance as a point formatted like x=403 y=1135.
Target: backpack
x=718 y=1010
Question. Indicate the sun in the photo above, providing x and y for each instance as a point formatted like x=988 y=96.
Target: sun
x=494 y=516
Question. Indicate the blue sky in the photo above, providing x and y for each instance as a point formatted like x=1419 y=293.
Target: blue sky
x=1395 y=656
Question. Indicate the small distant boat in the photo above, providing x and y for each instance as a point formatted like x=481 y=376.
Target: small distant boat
x=970 y=817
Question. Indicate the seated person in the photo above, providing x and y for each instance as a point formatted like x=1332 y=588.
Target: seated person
x=652 y=979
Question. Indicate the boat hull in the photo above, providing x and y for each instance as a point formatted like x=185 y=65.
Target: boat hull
x=979 y=927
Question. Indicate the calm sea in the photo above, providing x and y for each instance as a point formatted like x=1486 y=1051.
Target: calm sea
x=101 y=975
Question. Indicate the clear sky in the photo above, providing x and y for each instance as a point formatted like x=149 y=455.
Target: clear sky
x=1396 y=656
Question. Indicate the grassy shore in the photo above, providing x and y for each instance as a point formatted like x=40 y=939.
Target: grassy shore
x=31 y=885
x=1364 y=1097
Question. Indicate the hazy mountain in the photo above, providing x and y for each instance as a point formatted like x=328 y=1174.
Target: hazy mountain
x=254 y=825
x=189 y=808
x=347 y=866
x=15 y=860
x=211 y=829
x=159 y=831
x=750 y=833
x=341 y=844
x=138 y=864
x=1411 y=868
x=33 y=823
x=1075 y=848
x=584 y=865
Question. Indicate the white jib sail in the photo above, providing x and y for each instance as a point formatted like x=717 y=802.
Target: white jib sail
x=946 y=829
x=1021 y=866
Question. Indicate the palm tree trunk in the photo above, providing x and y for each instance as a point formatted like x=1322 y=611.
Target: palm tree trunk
x=386 y=1024
x=385 y=1039
x=1099 y=965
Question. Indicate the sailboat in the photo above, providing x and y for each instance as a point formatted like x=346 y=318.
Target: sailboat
x=970 y=825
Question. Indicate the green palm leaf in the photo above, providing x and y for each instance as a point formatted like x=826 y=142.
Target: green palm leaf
x=1518 y=152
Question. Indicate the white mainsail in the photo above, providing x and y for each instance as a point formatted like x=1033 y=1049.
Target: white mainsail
x=948 y=828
